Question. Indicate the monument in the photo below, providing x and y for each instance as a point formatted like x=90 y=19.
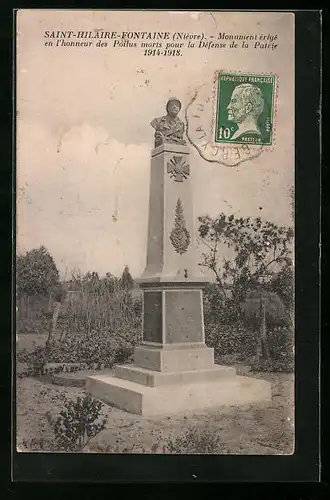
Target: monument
x=173 y=368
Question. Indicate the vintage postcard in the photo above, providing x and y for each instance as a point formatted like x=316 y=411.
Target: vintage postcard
x=155 y=232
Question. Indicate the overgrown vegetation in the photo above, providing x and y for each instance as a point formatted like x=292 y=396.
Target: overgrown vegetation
x=97 y=321
x=77 y=423
x=88 y=349
x=248 y=308
x=259 y=251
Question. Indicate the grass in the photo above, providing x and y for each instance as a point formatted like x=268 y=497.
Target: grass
x=30 y=341
x=261 y=429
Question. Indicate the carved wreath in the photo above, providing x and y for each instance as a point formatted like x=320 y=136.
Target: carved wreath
x=180 y=237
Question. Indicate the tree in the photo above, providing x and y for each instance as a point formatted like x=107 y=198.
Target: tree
x=282 y=283
x=36 y=272
x=260 y=250
x=262 y=309
x=126 y=279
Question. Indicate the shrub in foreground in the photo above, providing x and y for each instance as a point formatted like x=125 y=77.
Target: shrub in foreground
x=77 y=423
x=37 y=360
x=195 y=441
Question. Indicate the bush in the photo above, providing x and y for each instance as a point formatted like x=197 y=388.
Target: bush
x=23 y=355
x=230 y=339
x=281 y=343
x=281 y=350
x=276 y=314
x=95 y=347
x=37 y=360
x=238 y=340
x=195 y=441
x=217 y=308
x=38 y=444
x=77 y=423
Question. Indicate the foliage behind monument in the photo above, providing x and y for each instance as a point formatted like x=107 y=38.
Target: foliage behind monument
x=36 y=272
x=261 y=253
x=249 y=307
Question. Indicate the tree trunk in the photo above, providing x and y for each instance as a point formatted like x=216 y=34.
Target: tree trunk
x=28 y=308
x=50 y=296
x=263 y=330
x=52 y=333
x=259 y=349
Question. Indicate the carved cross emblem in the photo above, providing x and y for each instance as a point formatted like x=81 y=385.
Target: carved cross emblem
x=178 y=168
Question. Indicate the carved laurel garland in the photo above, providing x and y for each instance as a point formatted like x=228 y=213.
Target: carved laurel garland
x=180 y=237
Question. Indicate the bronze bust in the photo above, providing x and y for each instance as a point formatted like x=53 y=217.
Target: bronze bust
x=169 y=128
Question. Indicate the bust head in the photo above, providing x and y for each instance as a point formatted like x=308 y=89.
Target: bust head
x=173 y=107
x=246 y=101
x=169 y=128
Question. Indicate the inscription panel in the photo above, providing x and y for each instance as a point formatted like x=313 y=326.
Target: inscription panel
x=183 y=317
x=152 y=316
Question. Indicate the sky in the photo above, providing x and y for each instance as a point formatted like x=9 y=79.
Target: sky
x=84 y=137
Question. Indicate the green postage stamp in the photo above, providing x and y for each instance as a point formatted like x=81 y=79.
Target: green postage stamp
x=245 y=108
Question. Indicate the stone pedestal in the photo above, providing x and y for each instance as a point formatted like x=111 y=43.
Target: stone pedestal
x=173 y=368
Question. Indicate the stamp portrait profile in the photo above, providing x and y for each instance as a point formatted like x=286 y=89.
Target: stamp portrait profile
x=245 y=109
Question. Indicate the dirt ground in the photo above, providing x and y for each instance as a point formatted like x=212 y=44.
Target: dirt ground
x=31 y=341
x=262 y=429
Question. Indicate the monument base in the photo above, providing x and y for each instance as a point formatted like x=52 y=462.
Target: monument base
x=153 y=378
x=173 y=358
x=180 y=393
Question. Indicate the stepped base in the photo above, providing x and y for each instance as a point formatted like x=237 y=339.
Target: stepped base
x=153 y=378
x=174 y=358
x=177 y=397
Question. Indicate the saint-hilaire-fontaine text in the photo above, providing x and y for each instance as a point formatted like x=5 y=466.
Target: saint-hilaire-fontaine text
x=118 y=38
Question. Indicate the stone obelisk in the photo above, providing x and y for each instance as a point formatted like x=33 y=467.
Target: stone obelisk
x=173 y=368
x=173 y=326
